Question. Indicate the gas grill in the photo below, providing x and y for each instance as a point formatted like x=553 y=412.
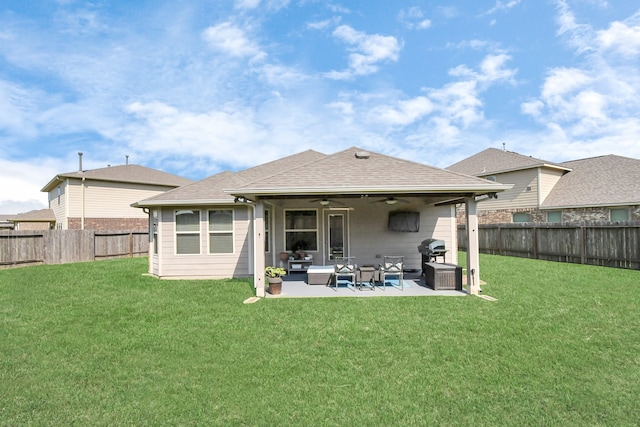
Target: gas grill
x=431 y=249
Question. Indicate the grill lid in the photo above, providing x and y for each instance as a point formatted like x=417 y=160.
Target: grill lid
x=430 y=246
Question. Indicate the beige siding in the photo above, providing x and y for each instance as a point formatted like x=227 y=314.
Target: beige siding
x=524 y=193
x=369 y=237
x=108 y=199
x=548 y=179
x=113 y=199
x=205 y=265
x=59 y=205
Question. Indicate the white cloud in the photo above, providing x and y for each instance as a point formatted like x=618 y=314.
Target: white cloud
x=247 y=4
x=321 y=25
x=414 y=18
x=451 y=108
x=232 y=40
x=21 y=184
x=367 y=52
x=593 y=105
x=404 y=112
x=622 y=38
x=501 y=6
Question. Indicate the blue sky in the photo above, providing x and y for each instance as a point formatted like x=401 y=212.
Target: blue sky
x=197 y=87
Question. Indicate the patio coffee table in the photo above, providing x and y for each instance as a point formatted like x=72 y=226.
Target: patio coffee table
x=319 y=275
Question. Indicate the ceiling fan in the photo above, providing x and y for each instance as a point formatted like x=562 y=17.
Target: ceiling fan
x=391 y=201
x=326 y=202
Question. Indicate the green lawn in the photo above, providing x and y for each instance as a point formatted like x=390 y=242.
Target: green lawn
x=101 y=344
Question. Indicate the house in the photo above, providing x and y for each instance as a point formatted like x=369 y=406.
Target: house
x=233 y=224
x=5 y=224
x=100 y=199
x=41 y=219
x=604 y=188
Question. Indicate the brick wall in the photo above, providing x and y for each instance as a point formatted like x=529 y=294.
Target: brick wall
x=503 y=216
x=109 y=224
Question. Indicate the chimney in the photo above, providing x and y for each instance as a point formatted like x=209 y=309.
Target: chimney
x=80 y=161
x=127 y=159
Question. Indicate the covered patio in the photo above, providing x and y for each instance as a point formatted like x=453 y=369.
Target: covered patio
x=295 y=286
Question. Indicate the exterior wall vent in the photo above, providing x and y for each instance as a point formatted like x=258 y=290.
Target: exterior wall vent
x=362 y=155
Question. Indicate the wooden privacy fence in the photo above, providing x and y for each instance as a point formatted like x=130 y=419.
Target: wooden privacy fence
x=64 y=246
x=605 y=244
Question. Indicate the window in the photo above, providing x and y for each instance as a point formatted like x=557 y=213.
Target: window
x=301 y=230
x=154 y=229
x=221 y=231
x=267 y=231
x=187 y=232
x=554 y=216
x=619 y=214
x=521 y=217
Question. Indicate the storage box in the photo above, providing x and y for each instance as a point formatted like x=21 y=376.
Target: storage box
x=443 y=276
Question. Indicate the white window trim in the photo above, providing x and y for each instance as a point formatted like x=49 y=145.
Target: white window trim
x=285 y=229
x=176 y=232
x=233 y=232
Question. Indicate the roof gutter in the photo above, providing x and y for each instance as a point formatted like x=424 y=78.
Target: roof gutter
x=192 y=202
x=521 y=168
x=312 y=191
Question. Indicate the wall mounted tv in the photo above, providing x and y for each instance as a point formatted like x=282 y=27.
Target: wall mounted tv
x=407 y=222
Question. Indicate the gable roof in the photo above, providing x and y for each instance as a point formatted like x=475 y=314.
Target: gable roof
x=38 y=215
x=597 y=181
x=211 y=189
x=134 y=174
x=354 y=171
x=492 y=161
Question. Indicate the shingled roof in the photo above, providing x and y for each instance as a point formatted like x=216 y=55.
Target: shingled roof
x=135 y=174
x=211 y=189
x=39 y=215
x=492 y=161
x=597 y=181
x=354 y=171
x=349 y=172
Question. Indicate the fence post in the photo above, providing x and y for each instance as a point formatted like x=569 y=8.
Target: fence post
x=131 y=244
x=583 y=245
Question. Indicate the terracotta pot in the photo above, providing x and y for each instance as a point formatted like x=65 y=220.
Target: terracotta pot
x=275 y=285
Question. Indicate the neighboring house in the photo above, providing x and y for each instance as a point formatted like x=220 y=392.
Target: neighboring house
x=100 y=199
x=5 y=224
x=605 y=188
x=42 y=219
x=345 y=204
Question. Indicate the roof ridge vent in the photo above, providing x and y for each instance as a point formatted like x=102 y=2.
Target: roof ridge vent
x=362 y=154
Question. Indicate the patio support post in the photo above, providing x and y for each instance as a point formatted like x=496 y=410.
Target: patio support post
x=258 y=273
x=473 y=246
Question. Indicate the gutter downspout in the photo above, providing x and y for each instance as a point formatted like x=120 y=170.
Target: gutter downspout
x=82 y=209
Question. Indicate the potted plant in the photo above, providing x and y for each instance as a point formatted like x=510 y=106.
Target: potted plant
x=300 y=248
x=274 y=277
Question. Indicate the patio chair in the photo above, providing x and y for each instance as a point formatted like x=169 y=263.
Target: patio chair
x=344 y=267
x=393 y=267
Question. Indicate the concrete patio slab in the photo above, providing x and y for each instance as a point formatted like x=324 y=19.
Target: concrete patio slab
x=295 y=286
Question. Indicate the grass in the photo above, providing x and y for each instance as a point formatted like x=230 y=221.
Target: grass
x=101 y=344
